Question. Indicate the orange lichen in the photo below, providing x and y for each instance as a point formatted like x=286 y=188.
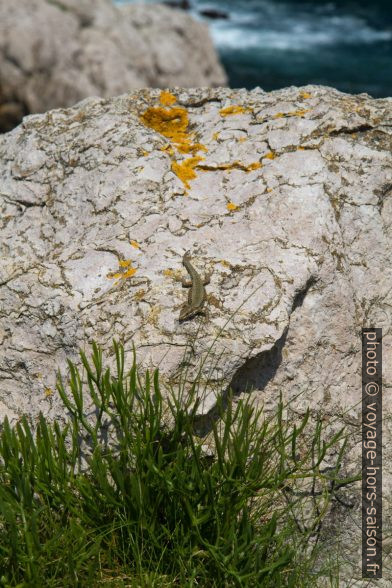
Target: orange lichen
x=129 y=273
x=123 y=264
x=185 y=170
x=169 y=149
x=230 y=166
x=135 y=244
x=305 y=95
x=234 y=109
x=173 y=124
x=191 y=148
x=300 y=112
x=167 y=98
x=169 y=122
x=251 y=166
x=270 y=155
x=112 y=276
x=231 y=206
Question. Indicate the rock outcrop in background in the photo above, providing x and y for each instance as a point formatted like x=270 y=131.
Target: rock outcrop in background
x=54 y=53
x=286 y=196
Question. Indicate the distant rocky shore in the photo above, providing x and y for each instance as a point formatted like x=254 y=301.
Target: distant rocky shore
x=54 y=53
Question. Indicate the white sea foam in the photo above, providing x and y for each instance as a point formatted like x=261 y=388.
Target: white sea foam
x=297 y=34
x=266 y=24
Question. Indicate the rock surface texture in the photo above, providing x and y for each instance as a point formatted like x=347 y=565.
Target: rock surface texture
x=285 y=196
x=54 y=53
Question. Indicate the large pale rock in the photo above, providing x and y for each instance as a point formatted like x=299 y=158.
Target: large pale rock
x=284 y=196
x=54 y=53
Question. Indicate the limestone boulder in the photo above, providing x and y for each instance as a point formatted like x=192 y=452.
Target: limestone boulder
x=284 y=197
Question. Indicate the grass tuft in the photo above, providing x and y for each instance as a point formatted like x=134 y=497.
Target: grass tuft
x=127 y=495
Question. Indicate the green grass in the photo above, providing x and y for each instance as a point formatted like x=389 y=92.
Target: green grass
x=129 y=495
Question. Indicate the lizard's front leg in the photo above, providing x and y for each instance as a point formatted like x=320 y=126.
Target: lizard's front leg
x=188 y=283
x=207 y=279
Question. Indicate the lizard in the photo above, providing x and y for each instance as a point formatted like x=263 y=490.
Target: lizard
x=197 y=293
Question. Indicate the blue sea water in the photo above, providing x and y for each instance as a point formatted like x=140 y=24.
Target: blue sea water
x=278 y=43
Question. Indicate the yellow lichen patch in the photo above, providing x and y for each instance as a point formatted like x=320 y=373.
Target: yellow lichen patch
x=215 y=136
x=230 y=166
x=169 y=122
x=225 y=263
x=251 y=166
x=300 y=112
x=242 y=140
x=172 y=123
x=269 y=189
x=123 y=264
x=173 y=274
x=234 y=109
x=191 y=148
x=129 y=273
x=167 y=98
x=169 y=273
x=169 y=149
x=270 y=155
x=305 y=95
x=139 y=295
x=185 y=170
x=48 y=392
x=115 y=275
x=135 y=244
x=153 y=315
x=231 y=206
